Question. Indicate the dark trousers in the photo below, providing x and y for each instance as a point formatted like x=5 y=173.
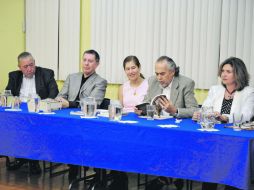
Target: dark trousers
x=213 y=186
x=23 y=160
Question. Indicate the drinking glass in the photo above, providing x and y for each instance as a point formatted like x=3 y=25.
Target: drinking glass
x=3 y=100
x=6 y=98
x=33 y=103
x=118 y=112
x=111 y=112
x=115 y=110
x=150 y=109
x=199 y=115
x=237 y=119
x=89 y=106
x=15 y=103
x=208 y=117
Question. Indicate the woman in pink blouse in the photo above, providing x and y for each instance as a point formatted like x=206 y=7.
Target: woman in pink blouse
x=133 y=91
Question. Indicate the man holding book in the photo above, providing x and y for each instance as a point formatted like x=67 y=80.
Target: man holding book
x=174 y=94
x=178 y=89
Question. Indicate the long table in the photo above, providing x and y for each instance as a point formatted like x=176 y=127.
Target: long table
x=143 y=147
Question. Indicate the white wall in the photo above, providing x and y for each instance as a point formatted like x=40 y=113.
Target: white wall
x=197 y=34
x=53 y=34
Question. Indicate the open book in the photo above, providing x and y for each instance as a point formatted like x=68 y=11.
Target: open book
x=155 y=102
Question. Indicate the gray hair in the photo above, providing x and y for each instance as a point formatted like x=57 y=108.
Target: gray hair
x=170 y=63
x=24 y=55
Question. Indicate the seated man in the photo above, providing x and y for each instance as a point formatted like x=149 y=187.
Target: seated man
x=179 y=90
x=179 y=101
x=80 y=85
x=31 y=79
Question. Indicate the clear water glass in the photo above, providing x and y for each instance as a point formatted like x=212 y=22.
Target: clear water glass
x=89 y=106
x=118 y=113
x=3 y=100
x=115 y=112
x=237 y=119
x=208 y=118
x=199 y=116
x=15 y=103
x=111 y=112
x=150 y=109
x=33 y=103
x=6 y=98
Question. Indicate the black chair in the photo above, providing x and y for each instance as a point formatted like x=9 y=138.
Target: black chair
x=104 y=104
x=167 y=181
x=139 y=183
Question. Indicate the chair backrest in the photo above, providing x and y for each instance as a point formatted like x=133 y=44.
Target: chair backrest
x=104 y=104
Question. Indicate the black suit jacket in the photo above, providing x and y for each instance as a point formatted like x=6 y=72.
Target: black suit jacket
x=45 y=83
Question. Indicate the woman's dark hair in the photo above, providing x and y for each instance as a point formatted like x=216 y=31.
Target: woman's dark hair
x=134 y=59
x=171 y=64
x=241 y=74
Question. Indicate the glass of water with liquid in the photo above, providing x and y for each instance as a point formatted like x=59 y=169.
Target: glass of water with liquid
x=150 y=109
x=89 y=107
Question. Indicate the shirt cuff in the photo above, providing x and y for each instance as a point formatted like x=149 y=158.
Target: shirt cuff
x=73 y=104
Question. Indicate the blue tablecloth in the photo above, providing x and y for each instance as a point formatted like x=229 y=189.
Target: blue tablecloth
x=143 y=147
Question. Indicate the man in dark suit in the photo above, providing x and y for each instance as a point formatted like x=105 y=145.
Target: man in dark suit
x=30 y=80
x=41 y=80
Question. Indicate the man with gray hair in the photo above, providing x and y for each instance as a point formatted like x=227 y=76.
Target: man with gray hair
x=178 y=89
x=30 y=80
x=178 y=101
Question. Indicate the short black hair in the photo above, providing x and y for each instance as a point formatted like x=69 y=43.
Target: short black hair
x=95 y=53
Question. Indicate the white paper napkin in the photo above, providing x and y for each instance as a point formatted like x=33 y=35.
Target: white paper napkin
x=128 y=121
x=178 y=121
x=47 y=113
x=76 y=113
x=86 y=117
x=209 y=130
x=168 y=126
x=10 y=109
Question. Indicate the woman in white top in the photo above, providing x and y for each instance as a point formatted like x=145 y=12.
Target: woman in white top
x=133 y=91
x=234 y=95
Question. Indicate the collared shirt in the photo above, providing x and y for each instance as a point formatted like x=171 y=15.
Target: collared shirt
x=27 y=86
x=167 y=91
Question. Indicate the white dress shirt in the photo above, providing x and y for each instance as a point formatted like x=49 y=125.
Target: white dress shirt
x=167 y=91
x=27 y=87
